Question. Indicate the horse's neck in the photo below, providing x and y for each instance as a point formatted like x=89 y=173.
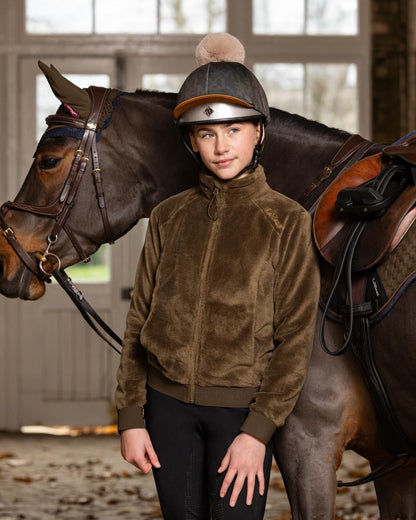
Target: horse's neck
x=297 y=150
x=157 y=165
x=158 y=162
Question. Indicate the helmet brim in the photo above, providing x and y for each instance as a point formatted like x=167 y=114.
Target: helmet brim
x=210 y=113
x=209 y=98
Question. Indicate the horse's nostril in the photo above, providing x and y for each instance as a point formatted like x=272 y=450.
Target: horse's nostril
x=1 y=268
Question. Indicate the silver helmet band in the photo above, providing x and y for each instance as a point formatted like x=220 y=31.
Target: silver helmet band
x=217 y=113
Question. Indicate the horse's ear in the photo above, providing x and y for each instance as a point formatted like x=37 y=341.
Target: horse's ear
x=66 y=91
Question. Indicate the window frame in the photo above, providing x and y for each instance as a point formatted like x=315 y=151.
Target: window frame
x=320 y=49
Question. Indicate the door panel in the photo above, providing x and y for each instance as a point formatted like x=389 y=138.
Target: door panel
x=67 y=373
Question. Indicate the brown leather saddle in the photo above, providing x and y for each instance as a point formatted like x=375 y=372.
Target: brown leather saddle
x=393 y=214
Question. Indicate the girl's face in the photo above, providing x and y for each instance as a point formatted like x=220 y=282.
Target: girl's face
x=225 y=148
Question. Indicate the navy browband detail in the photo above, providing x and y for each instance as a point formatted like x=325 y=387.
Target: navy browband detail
x=61 y=131
x=77 y=133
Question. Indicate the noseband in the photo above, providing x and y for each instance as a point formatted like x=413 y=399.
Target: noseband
x=59 y=210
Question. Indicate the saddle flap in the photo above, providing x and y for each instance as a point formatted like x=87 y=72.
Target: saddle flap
x=328 y=221
x=331 y=228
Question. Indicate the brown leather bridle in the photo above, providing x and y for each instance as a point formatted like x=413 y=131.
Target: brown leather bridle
x=44 y=264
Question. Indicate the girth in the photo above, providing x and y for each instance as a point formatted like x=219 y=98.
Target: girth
x=43 y=264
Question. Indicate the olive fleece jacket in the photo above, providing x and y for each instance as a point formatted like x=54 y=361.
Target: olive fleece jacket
x=224 y=304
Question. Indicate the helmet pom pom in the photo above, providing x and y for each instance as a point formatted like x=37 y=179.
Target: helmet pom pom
x=219 y=47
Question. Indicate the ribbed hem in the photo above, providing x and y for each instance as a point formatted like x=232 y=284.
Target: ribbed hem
x=259 y=426
x=130 y=417
x=227 y=397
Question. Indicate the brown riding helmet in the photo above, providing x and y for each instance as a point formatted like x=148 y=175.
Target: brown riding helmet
x=221 y=91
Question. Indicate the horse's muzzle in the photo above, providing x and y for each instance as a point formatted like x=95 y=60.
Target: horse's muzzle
x=22 y=284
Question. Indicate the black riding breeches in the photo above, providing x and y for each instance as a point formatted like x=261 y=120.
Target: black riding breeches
x=191 y=442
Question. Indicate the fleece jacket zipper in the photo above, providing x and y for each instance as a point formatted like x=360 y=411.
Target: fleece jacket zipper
x=215 y=199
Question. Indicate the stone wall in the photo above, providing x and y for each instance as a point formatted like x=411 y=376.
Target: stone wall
x=393 y=68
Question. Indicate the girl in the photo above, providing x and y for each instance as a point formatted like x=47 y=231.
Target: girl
x=221 y=322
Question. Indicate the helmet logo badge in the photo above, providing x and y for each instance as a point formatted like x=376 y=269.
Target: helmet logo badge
x=208 y=111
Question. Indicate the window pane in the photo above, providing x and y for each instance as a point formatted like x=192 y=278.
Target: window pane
x=284 y=84
x=98 y=269
x=188 y=16
x=49 y=16
x=278 y=17
x=332 y=17
x=126 y=16
x=331 y=95
x=324 y=93
x=163 y=82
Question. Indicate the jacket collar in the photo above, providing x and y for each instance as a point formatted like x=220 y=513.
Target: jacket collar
x=245 y=186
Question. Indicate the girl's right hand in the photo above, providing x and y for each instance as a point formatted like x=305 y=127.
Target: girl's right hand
x=137 y=449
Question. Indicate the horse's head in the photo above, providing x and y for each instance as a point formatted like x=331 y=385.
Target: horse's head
x=41 y=229
x=65 y=209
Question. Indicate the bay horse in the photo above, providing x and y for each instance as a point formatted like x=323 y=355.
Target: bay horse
x=143 y=161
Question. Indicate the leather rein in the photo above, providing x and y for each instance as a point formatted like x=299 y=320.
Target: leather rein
x=46 y=264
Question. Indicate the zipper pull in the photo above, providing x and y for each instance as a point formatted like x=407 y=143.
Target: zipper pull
x=215 y=215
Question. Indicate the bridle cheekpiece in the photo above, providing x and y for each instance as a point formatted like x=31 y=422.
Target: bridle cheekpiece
x=43 y=265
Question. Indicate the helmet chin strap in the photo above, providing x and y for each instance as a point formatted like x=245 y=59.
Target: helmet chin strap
x=251 y=166
x=256 y=154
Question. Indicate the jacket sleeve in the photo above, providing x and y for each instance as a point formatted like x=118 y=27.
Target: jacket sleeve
x=130 y=395
x=296 y=294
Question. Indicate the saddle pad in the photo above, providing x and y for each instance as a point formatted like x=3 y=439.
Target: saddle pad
x=405 y=148
x=380 y=236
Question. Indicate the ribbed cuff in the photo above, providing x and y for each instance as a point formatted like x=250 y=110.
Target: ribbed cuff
x=130 y=417
x=259 y=426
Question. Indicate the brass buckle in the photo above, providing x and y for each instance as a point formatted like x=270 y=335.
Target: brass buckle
x=9 y=233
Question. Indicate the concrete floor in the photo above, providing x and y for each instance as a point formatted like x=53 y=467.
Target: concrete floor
x=45 y=477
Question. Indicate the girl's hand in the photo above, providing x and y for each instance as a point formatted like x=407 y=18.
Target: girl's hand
x=244 y=458
x=137 y=449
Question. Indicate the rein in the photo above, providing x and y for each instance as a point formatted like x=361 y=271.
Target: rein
x=47 y=264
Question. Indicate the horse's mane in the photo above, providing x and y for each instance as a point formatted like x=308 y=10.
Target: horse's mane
x=165 y=98
x=295 y=125
x=292 y=124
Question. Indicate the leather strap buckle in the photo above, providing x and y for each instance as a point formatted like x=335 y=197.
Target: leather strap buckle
x=9 y=233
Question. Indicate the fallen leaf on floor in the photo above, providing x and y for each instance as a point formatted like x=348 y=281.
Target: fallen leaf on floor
x=26 y=480
x=285 y=516
x=7 y=456
x=156 y=513
x=343 y=491
x=145 y=498
x=278 y=484
x=82 y=501
x=357 y=473
x=17 y=462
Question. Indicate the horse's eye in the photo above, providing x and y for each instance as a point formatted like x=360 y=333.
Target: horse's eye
x=47 y=163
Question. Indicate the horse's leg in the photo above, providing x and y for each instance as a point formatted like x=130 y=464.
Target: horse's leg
x=308 y=467
x=396 y=493
x=394 y=341
x=333 y=408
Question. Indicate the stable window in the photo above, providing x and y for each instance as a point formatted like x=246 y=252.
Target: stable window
x=316 y=59
x=320 y=91
x=125 y=16
x=312 y=17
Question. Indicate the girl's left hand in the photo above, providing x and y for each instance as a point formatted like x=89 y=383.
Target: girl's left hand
x=244 y=458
